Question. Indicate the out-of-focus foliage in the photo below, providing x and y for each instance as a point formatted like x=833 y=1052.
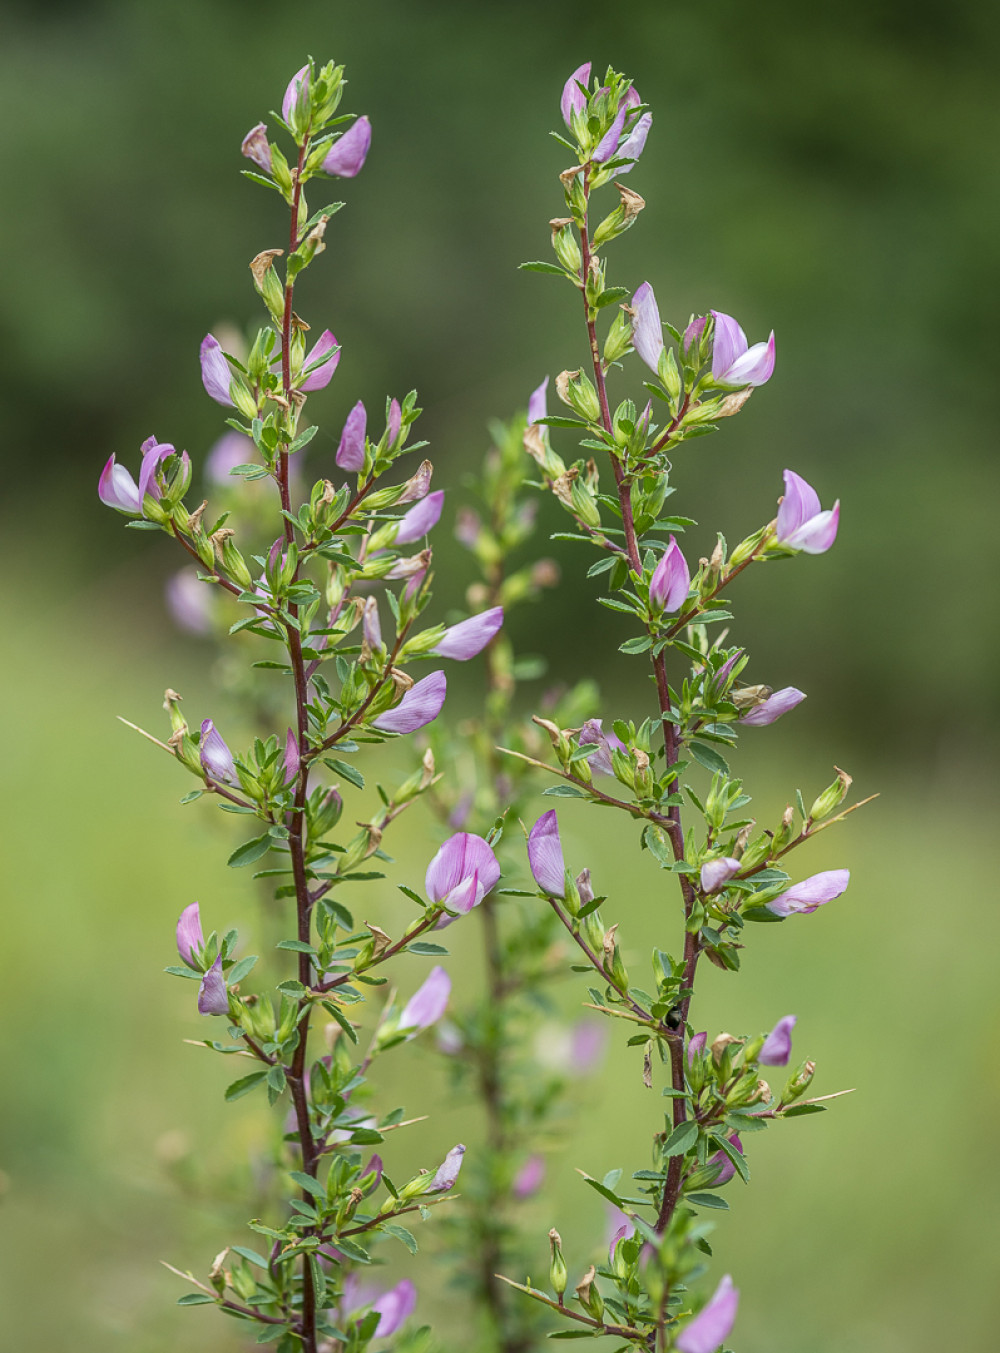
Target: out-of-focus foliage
x=827 y=171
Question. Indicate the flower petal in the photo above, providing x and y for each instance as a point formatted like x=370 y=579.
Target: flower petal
x=712 y=1326
x=778 y=1044
x=729 y=343
x=647 y=331
x=428 y=1003
x=351 y=451
x=420 y=519
x=811 y=893
x=799 y=502
x=347 y=156
x=189 y=934
x=461 y=856
x=755 y=367
x=545 y=856
x=573 y=99
x=213 y=999
x=773 y=707
x=320 y=362
x=816 y=535
x=469 y=637
x=215 y=374
x=419 y=706
x=537 y=403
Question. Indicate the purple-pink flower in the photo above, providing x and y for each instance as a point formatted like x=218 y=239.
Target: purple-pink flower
x=351 y=451
x=394 y=1307
x=712 y=1326
x=189 y=936
x=469 y=637
x=773 y=707
x=647 y=331
x=428 y=1003
x=462 y=872
x=778 y=1044
x=320 y=363
x=538 y=403
x=714 y=873
x=545 y=856
x=634 y=144
x=606 y=743
x=420 y=519
x=256 y=147
x=189 y=602
x=216 y=758
x=529 y=1177
x=215 y=374
x=671 y=580
x=722 y=1162
x=574 y=100
x=734 y=362
x=802 y=524
x=811 y=893
x=298 y=90
x=230 y=450
x=447 y=1171
x=116 y=488
x=420 y=705
x=395 y=422
x=608 y=143
x=346 y=157
x=696 y=1045
x=213 y=999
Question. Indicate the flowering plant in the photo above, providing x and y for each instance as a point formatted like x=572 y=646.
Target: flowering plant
x=321 y=584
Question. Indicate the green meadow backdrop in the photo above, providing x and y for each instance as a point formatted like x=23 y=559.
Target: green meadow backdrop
x=828 y=172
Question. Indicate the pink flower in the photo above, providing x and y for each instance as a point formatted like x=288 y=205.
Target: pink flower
x=347 y=156
x=773 y=707
x=802 y=525
x=469 y=637
x=213 y=998
x=447 y=1171
x=573 y=98
x=671 y=580
x=529 y=1177
x=420 y=705
x=712 y=1326
x=420 y=519
x=216 y=758
x=462 y=872
x=215 y=374
x=320 y=363
x=255 y=147
x=394 y=1307
x=714 y=873
x=297 y=93
x=537 y=402
x=351 y=451
x=428 y=1003
x=734 y=362
x=545 y=857
x=778 y=1044
x=647 y=331
x=811 y=893
x=189 y=936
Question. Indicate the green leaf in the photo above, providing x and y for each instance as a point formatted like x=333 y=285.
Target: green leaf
x=250 y=851
x=307 y=1182
x=239 y=970
x=244 y=1085
x=609 y=296
x=724 y=1144
x=192 y=795
x=682 y=1139
x=184 y=972
x=297 y=946
x=603 y=1191
x=550 y=268
x=349 y=773
x=708 y=757
x=423 y=947
x=639 y=645
x=352 y=1250
x=366 y=1137
x=401 y=1233
x=800 y=1110
x=196 y=1299
x=563 y=792
x=707 y=1200
x=251 y=1256
x=759 y=914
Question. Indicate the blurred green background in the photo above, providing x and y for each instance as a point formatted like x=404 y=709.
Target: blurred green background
x=828 y=172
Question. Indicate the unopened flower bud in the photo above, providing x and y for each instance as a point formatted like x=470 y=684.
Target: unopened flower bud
x=786 y=831
x=231 y=559
x=266 y=280
x=564 y=243
x=575 y=390
x=720 y=1044
x=171 y=700
x=558 y=1274
x=798 y=1083
x=831 y=797
x=588 y=1295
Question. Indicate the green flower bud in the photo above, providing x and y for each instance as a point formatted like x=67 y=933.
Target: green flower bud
x=558 y=1275
x=564 y=243
x=832 y=797
x=798 y=1083
x=576 y=391
x=267 y=282
x=619 y=338
x=231 y=559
